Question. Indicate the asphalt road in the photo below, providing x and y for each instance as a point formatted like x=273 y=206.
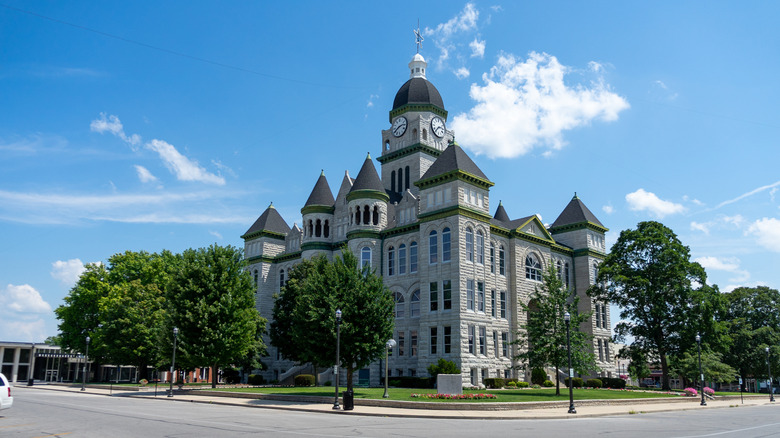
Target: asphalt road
x=41 y=413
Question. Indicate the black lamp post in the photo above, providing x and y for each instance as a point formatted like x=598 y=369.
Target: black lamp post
x=173 y=360
x=390 y=344
x=336 y=367
x=567 y=318
x=769 y=369
x=701 y=374
x=84 y=370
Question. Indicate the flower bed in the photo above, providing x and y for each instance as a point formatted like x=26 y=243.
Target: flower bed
x=691 y=392
x=470 y=396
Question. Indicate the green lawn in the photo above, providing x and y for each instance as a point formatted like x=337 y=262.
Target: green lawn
x=503 y=395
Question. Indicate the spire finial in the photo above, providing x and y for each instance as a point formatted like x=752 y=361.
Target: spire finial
x=575 y=196
x=368 y=157
x=322 y=172
x=418 y=38
x=272 y=205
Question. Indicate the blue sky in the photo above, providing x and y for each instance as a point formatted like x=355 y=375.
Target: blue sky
x=149 y=126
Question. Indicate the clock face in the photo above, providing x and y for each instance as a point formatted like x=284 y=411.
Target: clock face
x=437 y=126
x=399 y=126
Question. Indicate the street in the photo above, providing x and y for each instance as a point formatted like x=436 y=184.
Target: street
x=45 y=413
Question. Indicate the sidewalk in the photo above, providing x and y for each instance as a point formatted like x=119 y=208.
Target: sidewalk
x=383 y=408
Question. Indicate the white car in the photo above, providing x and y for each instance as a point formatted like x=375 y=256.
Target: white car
x=6 y=400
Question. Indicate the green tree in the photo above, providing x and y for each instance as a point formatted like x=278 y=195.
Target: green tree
x=543 y=338
x=211 y=301
x=686 y=365
x=753 y=318
x=79 y=316
x=304 y=326
x=649 y=275
x=443 y=366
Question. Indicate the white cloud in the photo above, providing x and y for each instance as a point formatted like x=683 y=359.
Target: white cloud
x=144 y=175
x=703 y=227
x=525 y=104
x=23 y=328
x=216 y=234
x=608 y=209
x=660 y=91
x=736 y=220
x=750 y=193
x=67 y=272
x=113 y=125
x=641 y=200
x=767 y=233
x=23 y=298
x=371 y=99
x=184 y=168
x=465 y=21
x=462 y=73
x=477 y=48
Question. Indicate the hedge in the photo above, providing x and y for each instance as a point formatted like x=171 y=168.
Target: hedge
x=494 y=382
x=613 y=382
x=304 y=380
x=577 y=382
x=411 y=382
x=594 y=383
x=255 y=379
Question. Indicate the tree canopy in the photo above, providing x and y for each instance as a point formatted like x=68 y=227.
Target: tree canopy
x=211 y=302
x=304 y=324
x=543 y=337
x=650 y=276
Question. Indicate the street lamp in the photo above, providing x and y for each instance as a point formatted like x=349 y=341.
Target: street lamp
x=769 y=368
x=390 y=344
x=84 y=370
x=173 y=361
x=336 y=367
x=567 y=318
x=701 y=374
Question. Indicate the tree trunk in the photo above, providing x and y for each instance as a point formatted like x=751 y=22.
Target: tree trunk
x=214 y=376
x=664 y=371
x=350 y=372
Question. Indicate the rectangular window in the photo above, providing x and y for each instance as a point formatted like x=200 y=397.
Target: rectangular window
x=598 y=316
x=474 y=377
x=604 y=316
x=445 y=245
x=480 y=248
x=492 y=258
x=503 y=303
x=484 y=374
x=400 y=344
x=402 y=259
x=434 y=339
x=447 y=195
x=446 y=293
x=481 y=296
x=447 y=339
x=413 y=257
x=413 y=341
x=438 y=197
x=505 y=344
x=606 y=350
x=482 y=341
x=601 y=352
x=501 y=265
x=493 y=303
x=430 y=199
x=412 y=372
x=495 y=344
x=434 y=294
x=470 y=294
x=391 y=262
x=471 y=339
x=433 y=248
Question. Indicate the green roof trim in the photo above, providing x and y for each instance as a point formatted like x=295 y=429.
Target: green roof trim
x=259 y=259
x=560 y=249
x=582 y=252
x=500 y=231
x=368 y=194
x=263 y=233
x=453 y=175
x=453 y=211
x=318 y=209
x=578 y=226
x=370 y=234
x=404 y=229
x=308 y=246
x=409 y=150
x=539 y=225
x=417 y=107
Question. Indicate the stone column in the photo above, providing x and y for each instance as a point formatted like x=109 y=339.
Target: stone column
x=15 y=369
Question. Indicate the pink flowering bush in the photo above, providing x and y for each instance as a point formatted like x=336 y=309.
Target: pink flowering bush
x=709 y=391
x=691 y=392
x=470 y=396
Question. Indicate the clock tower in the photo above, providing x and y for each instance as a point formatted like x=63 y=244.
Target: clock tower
x=418 y=132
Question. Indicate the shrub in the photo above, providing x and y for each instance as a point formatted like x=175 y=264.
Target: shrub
x=494 y=382
x=329 y=383
x=255 y=379
x=548 y=384
x=522 y=384
x=535 y=386
x=594 y=383
x=443 y=366
x=304 y=380
x=612 y=382
x=231 y=375
x=691 y=392
x=511 y=384
x=538 y=376
x=576 y=382
x=708 y=391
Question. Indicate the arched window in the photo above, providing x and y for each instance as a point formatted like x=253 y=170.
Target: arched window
x=392 y=181
x=387 y=145
x=318 y=228
x=401 y=180
x=366 y=215
x=445 y=245
x=375 y=217
x=480 y=247
x=559 y=268
x=433 y=247
x=402 y=259
x=566 y=274
x=365 y=257
x=469 y=245
x=399 y=305
x=391 y=261
x=357 y=215
x=492 y=258
x=501 y=260
x=326 y=229
x=406 y=180
x=414 y=305
x=256 y=279
x=281 y=279
x=533 y=269
x=425 y=134
x=595 y=273
x=413 y=257
x=311 y=228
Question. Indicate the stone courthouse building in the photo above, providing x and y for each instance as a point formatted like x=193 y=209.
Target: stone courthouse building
x=424 y=224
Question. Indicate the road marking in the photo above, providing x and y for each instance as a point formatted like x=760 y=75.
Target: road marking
x=16 y=425
x=728 y=431
x=54 y=434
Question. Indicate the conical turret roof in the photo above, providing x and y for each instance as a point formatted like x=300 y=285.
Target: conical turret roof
x=453 y=158
x=270 y=221
x=574 y=213
x=321 y=194
x=367 y=178
x=501 y=213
